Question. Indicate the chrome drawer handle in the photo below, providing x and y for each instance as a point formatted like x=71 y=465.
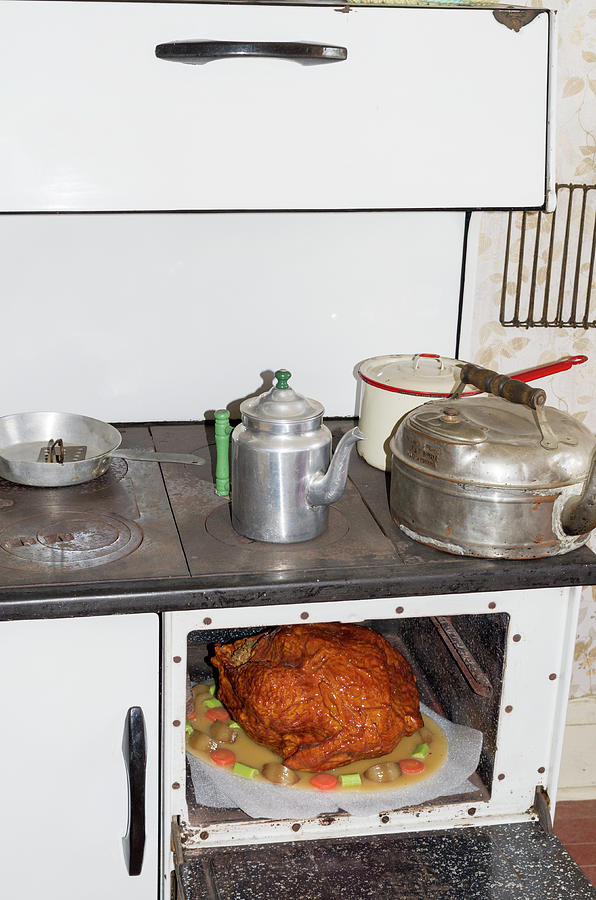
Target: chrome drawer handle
x=197 y=52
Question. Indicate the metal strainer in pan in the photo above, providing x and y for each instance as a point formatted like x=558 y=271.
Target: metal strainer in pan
x=51 y=449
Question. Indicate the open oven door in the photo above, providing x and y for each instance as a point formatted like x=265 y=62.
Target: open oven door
x=500 y=862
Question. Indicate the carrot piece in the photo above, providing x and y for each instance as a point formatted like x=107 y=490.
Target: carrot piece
x=324 y=781
x=411 y=766
x=223 y=757
x=219 y=714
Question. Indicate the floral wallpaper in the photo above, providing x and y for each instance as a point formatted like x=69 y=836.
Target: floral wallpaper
x=511 y=349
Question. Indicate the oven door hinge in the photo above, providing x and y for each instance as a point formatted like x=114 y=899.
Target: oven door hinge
x=542 y=807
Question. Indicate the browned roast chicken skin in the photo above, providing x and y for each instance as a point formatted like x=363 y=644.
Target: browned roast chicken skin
x=321 y=695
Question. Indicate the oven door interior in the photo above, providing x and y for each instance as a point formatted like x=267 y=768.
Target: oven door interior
x=487 y=661
x=500 y=862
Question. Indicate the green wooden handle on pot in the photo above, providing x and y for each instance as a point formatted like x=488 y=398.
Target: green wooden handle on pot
x=501 y=386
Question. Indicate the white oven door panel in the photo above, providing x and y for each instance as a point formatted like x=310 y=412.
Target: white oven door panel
x=433 y=108
x=539 y=655
x=67 y=685
x=166 y=317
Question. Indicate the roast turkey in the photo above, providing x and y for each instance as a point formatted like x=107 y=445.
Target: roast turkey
x=320 y=696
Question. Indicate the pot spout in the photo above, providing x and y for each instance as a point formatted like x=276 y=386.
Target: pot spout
x=579 y=516
x=327 y=488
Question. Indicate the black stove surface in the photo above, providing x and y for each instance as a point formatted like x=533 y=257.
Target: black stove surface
x=116 y=527
x=147 y=536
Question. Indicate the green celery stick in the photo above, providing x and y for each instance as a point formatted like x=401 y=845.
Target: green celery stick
x=351 y=780
x=245 y=771
x=420 y=752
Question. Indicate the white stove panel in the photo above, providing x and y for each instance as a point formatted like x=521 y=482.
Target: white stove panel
x=145 y=317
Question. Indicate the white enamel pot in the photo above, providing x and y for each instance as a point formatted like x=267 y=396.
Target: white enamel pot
x=396 y=384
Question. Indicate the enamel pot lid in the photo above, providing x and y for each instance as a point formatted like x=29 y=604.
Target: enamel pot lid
x=425 y=375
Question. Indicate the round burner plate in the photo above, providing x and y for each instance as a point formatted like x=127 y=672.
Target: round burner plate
x=219 y=526
x=68 y=540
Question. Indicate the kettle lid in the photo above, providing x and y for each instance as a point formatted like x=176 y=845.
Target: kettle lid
x=281 y=405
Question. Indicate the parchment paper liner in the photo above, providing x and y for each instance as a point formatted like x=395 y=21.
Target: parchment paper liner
x=220 y=788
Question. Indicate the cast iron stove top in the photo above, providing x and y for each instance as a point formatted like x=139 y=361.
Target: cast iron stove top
x=141 y=521
x=153 y=537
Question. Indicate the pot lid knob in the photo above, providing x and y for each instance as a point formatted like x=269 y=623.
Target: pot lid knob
x=450 y=414
x=283 y=376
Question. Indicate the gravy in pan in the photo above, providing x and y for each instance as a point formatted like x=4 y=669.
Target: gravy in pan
x=249 y=753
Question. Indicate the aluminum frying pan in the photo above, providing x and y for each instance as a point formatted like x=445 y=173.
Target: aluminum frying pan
x=51 y=449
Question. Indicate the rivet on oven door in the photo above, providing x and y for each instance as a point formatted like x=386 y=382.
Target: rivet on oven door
x=204 y=835
x=304 y=615
x=296 y=826
x=501 y=776
x=399 y=610
x=472 y=811
x=176 y=723
x=207 y=620
x=492 y=605
x=517 y=638
x=541 y=770
x=177 y=659
x=176 y=786
x=384 y=819
x=508 y=709
x=552 y=676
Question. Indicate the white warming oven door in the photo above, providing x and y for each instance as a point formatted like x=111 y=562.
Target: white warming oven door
x=428 y=108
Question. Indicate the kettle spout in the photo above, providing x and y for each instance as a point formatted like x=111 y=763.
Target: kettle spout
x=579 y=516
x=327 y=488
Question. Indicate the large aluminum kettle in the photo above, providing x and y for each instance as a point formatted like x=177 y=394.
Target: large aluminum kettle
x=496 y=476
x=283 y=474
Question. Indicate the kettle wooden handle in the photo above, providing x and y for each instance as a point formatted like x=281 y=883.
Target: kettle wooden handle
x=502 y=386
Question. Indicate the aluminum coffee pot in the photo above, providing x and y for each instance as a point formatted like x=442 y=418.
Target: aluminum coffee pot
x=283 y=475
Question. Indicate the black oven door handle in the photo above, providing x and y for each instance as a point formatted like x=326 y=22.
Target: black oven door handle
x=134 y=748
x=197 y=52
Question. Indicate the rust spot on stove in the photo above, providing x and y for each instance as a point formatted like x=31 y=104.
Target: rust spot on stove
x=296 y=826
x=4 y=504
x=326 y=820
x=448 y=531
x=540 y=539
x=515 y=19
x=552 y=676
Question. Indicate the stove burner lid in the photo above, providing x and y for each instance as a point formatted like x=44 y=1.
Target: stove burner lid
x=68 y=540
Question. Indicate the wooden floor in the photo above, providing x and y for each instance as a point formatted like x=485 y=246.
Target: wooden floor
x=575 y=826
